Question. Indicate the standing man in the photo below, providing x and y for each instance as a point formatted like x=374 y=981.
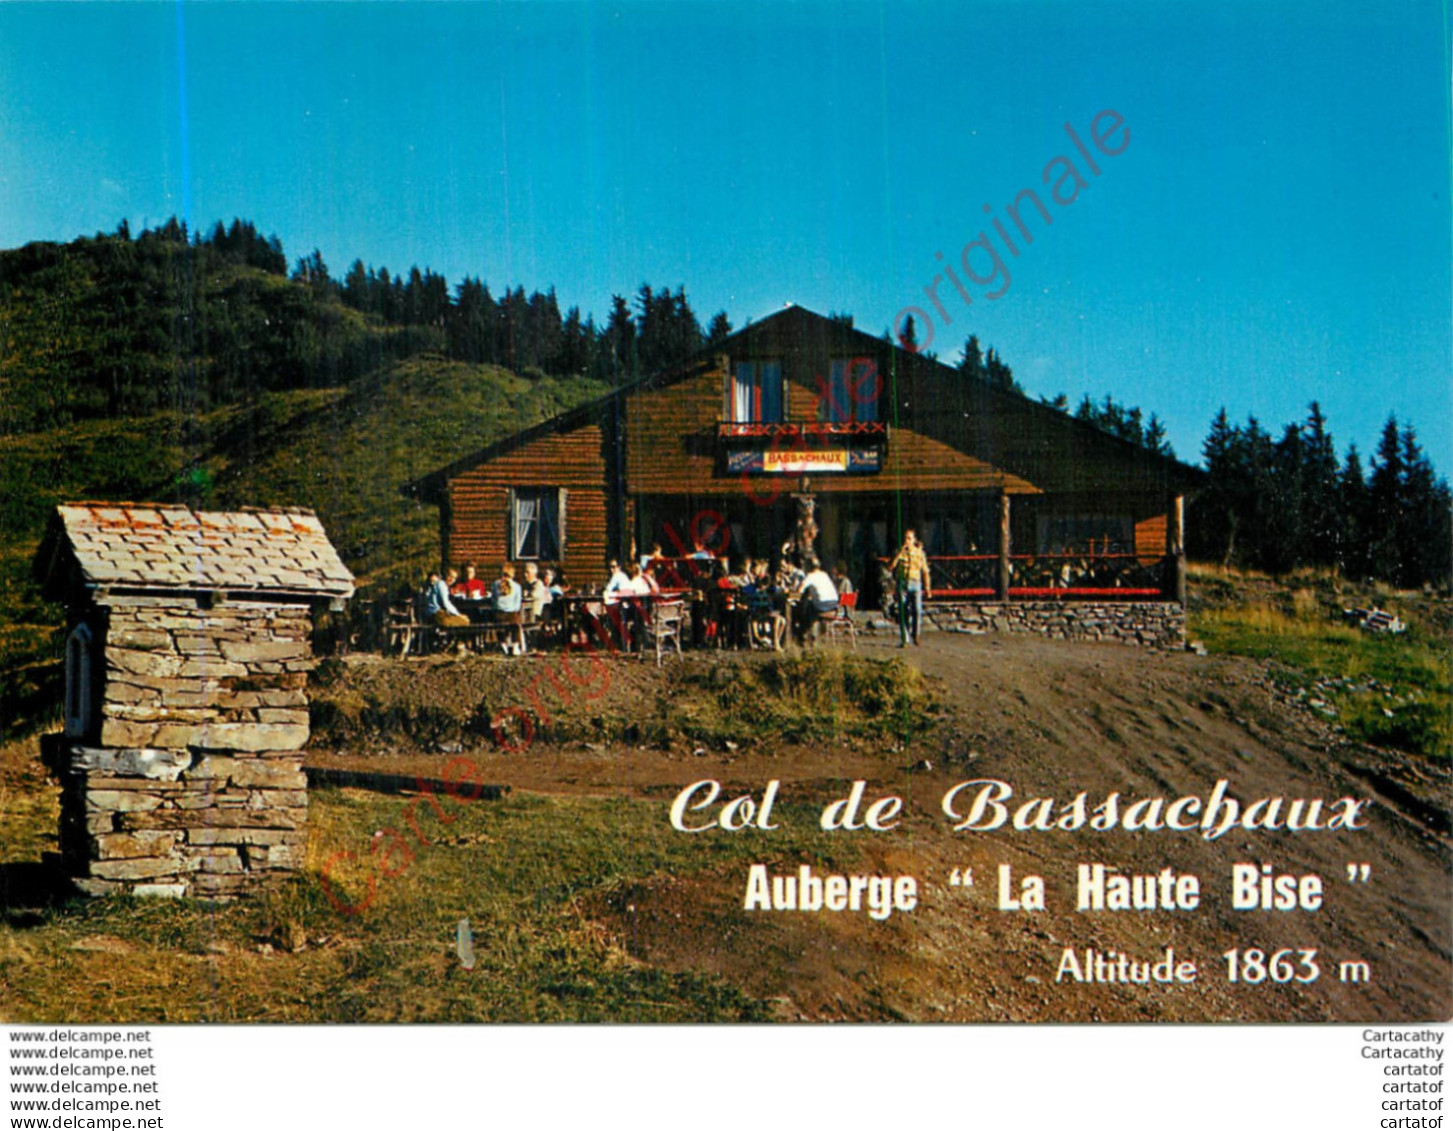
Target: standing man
x=910 y=570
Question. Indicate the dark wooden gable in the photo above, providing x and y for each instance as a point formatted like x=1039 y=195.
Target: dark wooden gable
x=661 y=436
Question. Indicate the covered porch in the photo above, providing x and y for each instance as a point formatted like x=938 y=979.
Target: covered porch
x=981 y=544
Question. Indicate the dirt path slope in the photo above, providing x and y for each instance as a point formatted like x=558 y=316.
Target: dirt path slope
x=1052 y=720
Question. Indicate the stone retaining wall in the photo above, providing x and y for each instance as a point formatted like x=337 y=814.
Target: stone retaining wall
x=192 y=781
x=1159 y=624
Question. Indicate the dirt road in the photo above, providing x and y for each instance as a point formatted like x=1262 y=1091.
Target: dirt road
x=1052 y=720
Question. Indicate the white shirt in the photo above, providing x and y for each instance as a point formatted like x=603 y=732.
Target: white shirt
x=635 y=587
x=821 y=585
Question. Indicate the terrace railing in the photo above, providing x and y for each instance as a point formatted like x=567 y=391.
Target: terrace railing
x=1056 y=577
x=1048 y=576
x=853 y=429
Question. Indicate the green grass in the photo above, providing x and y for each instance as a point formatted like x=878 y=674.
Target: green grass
x=347 y=452
x=519 y=870
x=814 y=696
x=702 y=699
x=1409 y=708
x=344 y=452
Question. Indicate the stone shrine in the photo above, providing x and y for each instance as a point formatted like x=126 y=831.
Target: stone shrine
x=186 y=710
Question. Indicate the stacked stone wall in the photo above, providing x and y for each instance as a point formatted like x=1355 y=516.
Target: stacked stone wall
x=191 y=782
x=1158 y=624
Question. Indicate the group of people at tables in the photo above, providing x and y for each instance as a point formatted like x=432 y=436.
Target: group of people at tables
x=727 y=603
x=451 y=601
x=731 y=599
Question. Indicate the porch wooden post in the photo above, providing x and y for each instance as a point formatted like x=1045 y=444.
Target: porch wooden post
x=1003 y=578
x=1175 y=548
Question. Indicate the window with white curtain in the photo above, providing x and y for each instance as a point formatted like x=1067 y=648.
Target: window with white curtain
x=757 y=392
x=537 y=523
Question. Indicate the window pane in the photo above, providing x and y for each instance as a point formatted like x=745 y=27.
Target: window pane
x=836 y=406
x=771 y=392
x=526 y=523
x=548 y=548
x=865 y=386
x=743 y=386
x=537 y=524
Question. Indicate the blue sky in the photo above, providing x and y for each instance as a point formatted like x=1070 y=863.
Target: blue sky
x=1276 y=229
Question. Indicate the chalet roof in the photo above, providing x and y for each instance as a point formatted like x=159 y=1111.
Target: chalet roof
x=1049 y=448
x=281 y=551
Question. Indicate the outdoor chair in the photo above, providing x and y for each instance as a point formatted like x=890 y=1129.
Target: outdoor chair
x=664 y=626
x=407 y=631
x=840 y=623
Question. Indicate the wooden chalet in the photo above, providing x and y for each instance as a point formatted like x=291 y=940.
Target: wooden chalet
x=800 y=428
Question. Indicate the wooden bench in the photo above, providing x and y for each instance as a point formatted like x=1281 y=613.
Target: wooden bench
x=409 y=636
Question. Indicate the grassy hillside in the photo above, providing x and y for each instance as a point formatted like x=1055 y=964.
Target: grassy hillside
x=346 y=452
x=343 y=451
x=1387 y=690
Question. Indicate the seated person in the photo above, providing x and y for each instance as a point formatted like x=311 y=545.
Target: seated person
x=630 y=626
x=613 y=587
x=438 y=608
x=743 y=577
x=765 y=623
x=817 y=597
x=841 y=579
x=637 y=583
x=535 y=596
x=508 y=600
x=651 y=560
x=470 y=587
x=699 y=552
x=555 y=609
x=789 y=576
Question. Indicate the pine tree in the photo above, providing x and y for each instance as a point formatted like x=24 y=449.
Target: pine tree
x=1155 y=440
x=1216 y=517
x=971 y=365
x=1322 y=517
x=719 y=329
x=358 y=287
x=1385 y=505
x=998 y=374
x=908 y=336
x=1285 y=545
x=1423 y=521
x=616 y=361
x=1352 y=556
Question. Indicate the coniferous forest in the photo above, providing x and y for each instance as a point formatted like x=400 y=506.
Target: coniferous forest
x=122 y=325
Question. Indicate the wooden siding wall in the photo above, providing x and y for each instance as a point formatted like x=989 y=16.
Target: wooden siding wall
x=671 y=435
x=672 y=448
x=669 y=449
x=1150 y=537
x=479 y=507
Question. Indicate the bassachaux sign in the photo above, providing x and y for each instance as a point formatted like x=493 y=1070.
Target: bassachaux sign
x=801 y=461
